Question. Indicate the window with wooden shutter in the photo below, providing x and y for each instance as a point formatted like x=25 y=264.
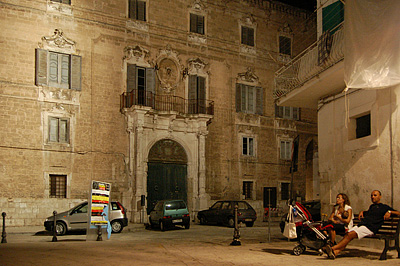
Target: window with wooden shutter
x=141 y=85
x=286 y=150
x=58 y=70
x=137 y=10
x=197 y=94
x=287 y=112
x=285 y=45
x=58 y=130
x=196 y=23
x=249 y=99
x=247 y=36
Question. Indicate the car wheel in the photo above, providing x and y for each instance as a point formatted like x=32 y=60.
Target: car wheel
x=203 y=220
x=116 y=226
x=162 y=226
x=249 y=224
x=187 y=226
x=61 y=228
x=231 y=222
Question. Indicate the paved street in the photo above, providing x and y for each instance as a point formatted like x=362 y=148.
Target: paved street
x=200 y=245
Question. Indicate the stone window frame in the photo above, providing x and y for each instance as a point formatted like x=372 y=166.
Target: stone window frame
x=197 y=67
x=248 y=135
x=285 y=31
x=136 y=24
x=248 y=22
x=58 y=111
x=59 y=7
x=366 y=106
x=288 y=145
x=47 y=179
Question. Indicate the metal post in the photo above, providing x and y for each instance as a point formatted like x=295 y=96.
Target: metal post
x=269 y=215
x=236 y=233
x=54 y=239
x=99 y=233
x=4 y=234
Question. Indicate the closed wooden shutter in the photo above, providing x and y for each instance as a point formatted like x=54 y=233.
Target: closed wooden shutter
x=250 y=40
x=76 y=72
x=132 y=9
x=141 y=10
x=193 y=23
x=243 y=89
x=201 y=88
x=200 y=24
x=238 y=98
x=63 y=130
x=150 y=80
x=53 y=129
x=260 y=101
x=41 y=67
x=131 y=78
x=201 y=97
x=192 y=87
x=53 y=69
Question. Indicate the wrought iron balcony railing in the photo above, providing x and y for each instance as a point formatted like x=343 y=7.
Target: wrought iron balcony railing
x=320 y=56
x=166 y=103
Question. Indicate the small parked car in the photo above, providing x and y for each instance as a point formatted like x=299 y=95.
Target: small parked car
x=77 y=219
x=168 y=213
x=222 y=212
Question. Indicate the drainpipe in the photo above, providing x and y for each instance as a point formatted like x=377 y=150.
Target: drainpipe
x=391 y=150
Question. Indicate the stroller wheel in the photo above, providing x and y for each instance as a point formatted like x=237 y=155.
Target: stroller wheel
x=298 y=250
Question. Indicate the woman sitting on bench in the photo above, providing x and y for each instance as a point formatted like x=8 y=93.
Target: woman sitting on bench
x=341 y=218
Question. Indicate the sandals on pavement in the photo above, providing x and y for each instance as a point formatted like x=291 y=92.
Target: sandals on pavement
x=329 y=252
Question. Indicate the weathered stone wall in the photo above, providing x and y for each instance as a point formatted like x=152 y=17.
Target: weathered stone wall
x=359 y=166
x=99 y=141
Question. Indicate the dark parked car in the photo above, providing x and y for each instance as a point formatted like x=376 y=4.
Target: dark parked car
x=77 y=218
x=314 y=207
x=168 y=213
x=222 y=212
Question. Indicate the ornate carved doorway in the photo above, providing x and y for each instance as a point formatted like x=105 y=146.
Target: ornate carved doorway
x=166 y=172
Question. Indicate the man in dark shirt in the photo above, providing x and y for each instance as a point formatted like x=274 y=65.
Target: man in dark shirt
x=371 y=221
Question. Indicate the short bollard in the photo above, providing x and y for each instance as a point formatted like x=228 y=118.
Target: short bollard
x=99 y=233
x=4 y=234
x=54 y=227
x=236 y=232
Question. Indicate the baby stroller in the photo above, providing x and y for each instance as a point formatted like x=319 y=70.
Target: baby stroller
x=309 y=233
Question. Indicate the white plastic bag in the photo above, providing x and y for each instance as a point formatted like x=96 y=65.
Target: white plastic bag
x=290 y=226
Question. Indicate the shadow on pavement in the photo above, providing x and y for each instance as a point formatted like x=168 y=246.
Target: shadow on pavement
x=348 y=253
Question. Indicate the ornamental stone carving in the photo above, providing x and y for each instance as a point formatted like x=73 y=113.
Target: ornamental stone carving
x=248 y=76
x=168 y=69
x=58 y=42
x=137 y=55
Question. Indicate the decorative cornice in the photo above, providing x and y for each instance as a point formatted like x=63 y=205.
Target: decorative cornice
x=248 y=76
x=58 y=42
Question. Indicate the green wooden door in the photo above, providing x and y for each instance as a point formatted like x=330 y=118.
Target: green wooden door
x=165 y=181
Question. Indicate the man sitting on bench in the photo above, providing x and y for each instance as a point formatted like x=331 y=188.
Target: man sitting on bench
x=371 y=221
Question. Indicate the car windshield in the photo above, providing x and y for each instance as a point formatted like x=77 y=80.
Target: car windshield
x=216 y=205
x=242 y=206
x=174 y=205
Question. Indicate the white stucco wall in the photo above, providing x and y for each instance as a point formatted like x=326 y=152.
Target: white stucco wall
x=358 y=166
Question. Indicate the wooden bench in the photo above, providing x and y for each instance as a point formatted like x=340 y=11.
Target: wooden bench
x=388 y=232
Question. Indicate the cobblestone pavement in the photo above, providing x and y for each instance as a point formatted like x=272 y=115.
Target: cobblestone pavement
x=200 y=245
